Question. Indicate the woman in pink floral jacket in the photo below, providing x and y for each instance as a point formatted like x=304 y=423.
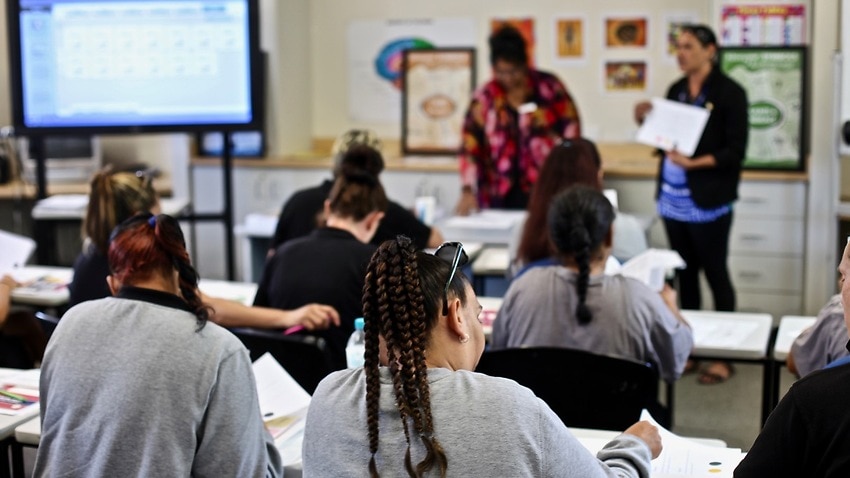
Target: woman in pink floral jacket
x=511 y=124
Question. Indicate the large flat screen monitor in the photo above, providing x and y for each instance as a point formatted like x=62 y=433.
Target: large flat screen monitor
x=99 y=66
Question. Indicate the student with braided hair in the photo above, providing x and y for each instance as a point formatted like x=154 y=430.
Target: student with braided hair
x=141 y=384
x=574 y=305
x=417 y=409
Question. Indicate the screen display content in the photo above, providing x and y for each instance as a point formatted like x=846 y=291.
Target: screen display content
x=134 y=64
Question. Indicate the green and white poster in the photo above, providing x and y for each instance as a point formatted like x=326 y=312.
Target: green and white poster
x=774 y=79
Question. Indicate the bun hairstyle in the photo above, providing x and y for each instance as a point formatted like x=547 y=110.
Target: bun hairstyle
x=572 y=161
x=360 y=149
x=402 y=300
x=579 y=221
x=113 y=198
x=146 y=246
x=507 y=44
x=356 y=193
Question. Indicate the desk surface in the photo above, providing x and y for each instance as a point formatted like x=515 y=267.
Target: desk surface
x=48 y=286
x=20 y=189
x=28 y=378
x=730 y=335
x=790 y=327
x=73 y=207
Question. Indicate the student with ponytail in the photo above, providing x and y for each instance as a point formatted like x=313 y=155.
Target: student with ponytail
x=140 y=384
x=115 y=197
x=574 y=305
x=329 y=264
x=417 y=409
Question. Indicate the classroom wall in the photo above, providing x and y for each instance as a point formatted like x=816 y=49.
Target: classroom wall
x=606 y=117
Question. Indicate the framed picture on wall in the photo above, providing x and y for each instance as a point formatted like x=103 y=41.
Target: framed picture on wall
x=775 y=81
x=437 y=87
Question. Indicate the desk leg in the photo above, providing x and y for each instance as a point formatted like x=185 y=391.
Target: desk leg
x=670 y=396
x=4 y=459
x=17 y=460
x=768 y=390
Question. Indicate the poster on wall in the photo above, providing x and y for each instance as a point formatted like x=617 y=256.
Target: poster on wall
x=774 y=79
x=763 y=25
x=626 y=32
x=525 y=26
x=437 y=87
x=570 y=40
x=375 y=55
x=673 y=23
x=625 y=76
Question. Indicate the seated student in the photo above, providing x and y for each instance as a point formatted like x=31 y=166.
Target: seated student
x=571 y=162
x=574 y=305
x=822 y=343
x=141 y=384
x=329 y=264
x=303 y=212
x=22 y=339
x=116 y=196
x=808 y=433
x=390 y=415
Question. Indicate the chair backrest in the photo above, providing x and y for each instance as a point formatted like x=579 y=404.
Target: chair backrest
x=305 y=357
x=585 y=390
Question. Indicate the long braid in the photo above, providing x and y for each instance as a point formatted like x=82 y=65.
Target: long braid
x=372 y=289
x=579 y=221
x=393 y=306
x=581 y=254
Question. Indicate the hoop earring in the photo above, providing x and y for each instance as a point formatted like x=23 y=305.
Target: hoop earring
x=464 y=339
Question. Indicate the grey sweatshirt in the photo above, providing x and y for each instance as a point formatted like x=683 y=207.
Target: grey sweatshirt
x=130 y=388
x=487 y=426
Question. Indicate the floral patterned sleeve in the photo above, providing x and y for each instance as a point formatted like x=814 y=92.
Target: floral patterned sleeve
x=566 y=120
x=473 y=144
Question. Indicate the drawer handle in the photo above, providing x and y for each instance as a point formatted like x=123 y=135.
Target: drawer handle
x=752 y=237
x=749 y=275
x=753 y=200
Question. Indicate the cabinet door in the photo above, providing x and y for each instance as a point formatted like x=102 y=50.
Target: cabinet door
x=779 y=199
x=767 y=236
x=770 y=274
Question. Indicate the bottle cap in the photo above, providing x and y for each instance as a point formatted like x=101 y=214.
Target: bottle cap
x=359 y=323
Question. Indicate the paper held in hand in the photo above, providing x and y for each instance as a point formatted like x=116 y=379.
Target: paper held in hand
x=651 y=266
x=673 y=125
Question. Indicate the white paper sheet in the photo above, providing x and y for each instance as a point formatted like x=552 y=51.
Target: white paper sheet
x=673 y=125
x=651 y=266
x=721 y=333
x=16 y=251
x=279 y=394
x=681 y=457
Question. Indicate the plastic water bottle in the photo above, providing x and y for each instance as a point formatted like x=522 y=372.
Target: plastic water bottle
x=356 y=348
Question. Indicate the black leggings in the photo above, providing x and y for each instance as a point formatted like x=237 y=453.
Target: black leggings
x=703 y=246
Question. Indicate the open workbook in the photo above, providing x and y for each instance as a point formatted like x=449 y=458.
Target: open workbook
x=283 y=403
x=682 y=457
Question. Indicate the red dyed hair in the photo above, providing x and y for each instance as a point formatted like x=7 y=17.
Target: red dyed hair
x=146 y=246
x=574 y=161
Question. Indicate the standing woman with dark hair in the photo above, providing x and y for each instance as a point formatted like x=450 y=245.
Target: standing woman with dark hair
x=417 y=406
x=574 y=305
x=510 y=126
x=695 y=195
x=329 y=264
x=140 y=384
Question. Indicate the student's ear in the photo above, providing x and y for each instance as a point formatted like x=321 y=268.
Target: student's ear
x=373 y=220
x=326 y=209
x=454 y=321
x=609 y=237
x=114 y=284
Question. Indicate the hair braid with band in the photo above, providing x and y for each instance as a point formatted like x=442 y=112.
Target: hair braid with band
x=394 y=307
x=580 y=220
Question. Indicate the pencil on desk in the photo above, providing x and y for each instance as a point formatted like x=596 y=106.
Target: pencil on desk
x=14 y=396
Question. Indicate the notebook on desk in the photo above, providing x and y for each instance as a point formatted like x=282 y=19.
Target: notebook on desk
x=16 y=249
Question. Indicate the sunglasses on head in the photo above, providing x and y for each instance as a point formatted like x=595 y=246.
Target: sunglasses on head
x=453 y=253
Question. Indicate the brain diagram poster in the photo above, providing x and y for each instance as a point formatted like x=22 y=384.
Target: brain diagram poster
x=375 y=59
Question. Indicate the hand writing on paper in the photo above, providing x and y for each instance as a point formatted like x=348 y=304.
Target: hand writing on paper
x=8 y=281
x=649 y=434
x=316 y=316
x=467 y=204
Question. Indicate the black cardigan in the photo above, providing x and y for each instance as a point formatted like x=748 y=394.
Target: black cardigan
x=725 y=137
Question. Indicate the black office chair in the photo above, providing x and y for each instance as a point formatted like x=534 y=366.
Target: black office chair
x=585 y=390
x=305 y=357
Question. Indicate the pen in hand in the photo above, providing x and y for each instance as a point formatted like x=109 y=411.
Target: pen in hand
x=293 y=330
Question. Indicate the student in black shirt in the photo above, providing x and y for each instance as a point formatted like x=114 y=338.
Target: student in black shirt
x=329 y=264
x=303 y=212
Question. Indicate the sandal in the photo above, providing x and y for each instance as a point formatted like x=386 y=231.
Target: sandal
x=715 y=372
x=691 y=366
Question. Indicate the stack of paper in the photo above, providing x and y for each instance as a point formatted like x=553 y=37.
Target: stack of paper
x=283 y=403
x=19 y=392
x=681 y=457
